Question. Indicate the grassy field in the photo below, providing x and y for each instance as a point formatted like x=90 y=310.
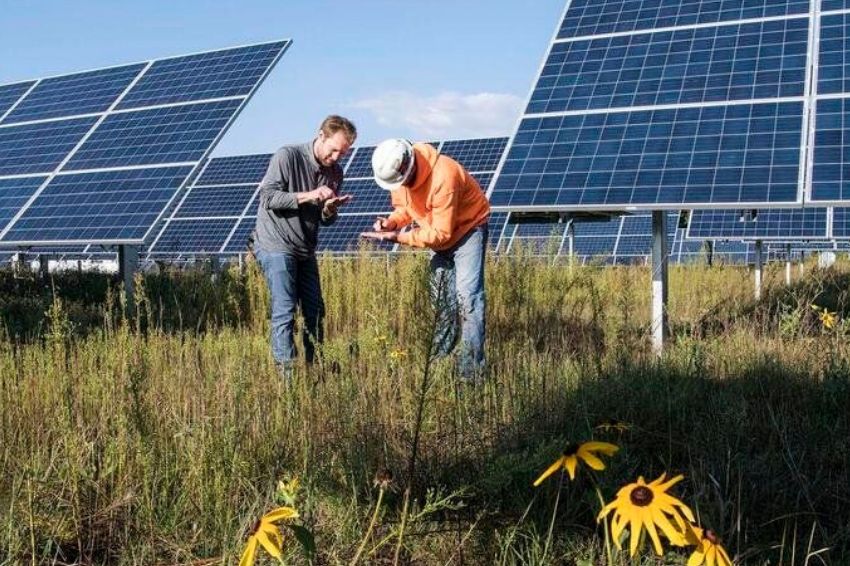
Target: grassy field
x=162 y=439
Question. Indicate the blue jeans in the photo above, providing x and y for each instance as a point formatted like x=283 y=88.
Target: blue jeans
x=457 y=291
x=293 y=281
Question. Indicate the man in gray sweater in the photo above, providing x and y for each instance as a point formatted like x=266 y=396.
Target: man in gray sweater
x=300 y=192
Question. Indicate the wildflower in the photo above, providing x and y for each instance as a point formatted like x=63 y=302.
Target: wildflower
x=575 y=452
x=287 y=491
x=709 y=551
x=383 y=479
x=398 y=354
x=267 y=534
x=647 y=506
x=827 y=319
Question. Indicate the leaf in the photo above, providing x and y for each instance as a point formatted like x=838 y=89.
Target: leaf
x=305 y=537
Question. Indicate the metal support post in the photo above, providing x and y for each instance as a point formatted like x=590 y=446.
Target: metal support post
x=758 y=274
x=128 y=262
x=788 y=265
x=659 y=325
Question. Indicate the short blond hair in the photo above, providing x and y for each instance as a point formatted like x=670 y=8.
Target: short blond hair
x=333 y=124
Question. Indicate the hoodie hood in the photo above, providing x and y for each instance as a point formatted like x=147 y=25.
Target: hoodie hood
x=426 y=158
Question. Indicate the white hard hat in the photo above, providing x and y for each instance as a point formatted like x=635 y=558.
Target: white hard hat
x=393 y=163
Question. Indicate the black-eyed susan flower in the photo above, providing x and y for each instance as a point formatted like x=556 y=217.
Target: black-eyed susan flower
x=266 y=534
x=827 y=317
x=709 y=551
x=586 y=451
x=642 y=505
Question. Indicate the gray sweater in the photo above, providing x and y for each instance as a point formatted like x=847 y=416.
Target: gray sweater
x=283 y=225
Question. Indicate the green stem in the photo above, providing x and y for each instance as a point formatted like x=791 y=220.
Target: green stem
x=552 y=521
x=369 y=528
x=401 y=527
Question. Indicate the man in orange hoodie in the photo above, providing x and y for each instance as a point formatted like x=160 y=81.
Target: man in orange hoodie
x=450 y=211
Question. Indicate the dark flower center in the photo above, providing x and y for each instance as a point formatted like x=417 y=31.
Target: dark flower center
x=571 y=449
x=711 y=536
x=641 y=496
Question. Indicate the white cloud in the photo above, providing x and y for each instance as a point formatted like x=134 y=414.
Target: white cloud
x=446 y=115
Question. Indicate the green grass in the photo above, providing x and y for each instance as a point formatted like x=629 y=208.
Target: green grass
x=160 y=440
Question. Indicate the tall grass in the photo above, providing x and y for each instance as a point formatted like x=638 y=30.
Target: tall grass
x=160 y=439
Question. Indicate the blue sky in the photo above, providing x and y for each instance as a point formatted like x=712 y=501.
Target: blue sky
x=421 y=69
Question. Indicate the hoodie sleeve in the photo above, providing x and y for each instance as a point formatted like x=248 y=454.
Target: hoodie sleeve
x=441 y=228
x=274 y=189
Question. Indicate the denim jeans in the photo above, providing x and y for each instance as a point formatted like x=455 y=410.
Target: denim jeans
x=293 y=281
x=457 y=291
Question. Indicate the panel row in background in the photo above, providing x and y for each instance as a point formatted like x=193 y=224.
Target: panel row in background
x=218 y=211
x=648 y=105
x=97 y=156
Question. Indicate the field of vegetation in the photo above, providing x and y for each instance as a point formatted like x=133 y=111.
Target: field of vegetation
x=164 y=436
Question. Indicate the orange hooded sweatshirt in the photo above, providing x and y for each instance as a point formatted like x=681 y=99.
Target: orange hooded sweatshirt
x=444 y=201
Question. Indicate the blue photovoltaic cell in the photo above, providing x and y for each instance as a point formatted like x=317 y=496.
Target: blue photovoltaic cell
x=238 y=243
x=344 y=235
x=719 y=154
x=367 y=197
x=172 y=134
x=592 y=17
x=14 y=193
x=236 y=169
x=476 y=154
x=833 y=63
x=107 y=205
x=827 y=5
x=545 y=238
x=732 y=62
x=9 y=94
x=483 y=180
x=71 y=95
x=344 y=159
x=205 y=235
x=229 y=72
x=361 y=164
x=768 y=223
x=841 y=222
x=223 y=200
x=831 y=170
x=495 y=226
x=39 y=148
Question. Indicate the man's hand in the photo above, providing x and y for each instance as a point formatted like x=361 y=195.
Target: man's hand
x=381 y=236
x=321 y=194
x=382 y=225
x=333 y=203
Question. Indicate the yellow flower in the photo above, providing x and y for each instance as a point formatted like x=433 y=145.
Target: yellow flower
x=647 y=506
x=575 y=452
x=709 y=550
x=827 y=318
x=398 y=354
x=267 y=534
x=287 y=491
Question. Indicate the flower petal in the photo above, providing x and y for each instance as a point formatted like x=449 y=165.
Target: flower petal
x=672 y=534
x=592 y=461
x=696 y=559
x=604 y=447
x=549 y=471
x=269 y=541
x=653 y=534
x=635 y=527
x=280 y=514
x=710 y=554
x=250 y=552
x=570 y=463
x=722 y=557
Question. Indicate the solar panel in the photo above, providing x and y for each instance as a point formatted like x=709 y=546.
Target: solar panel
x=10 y=94
x=218 y=74
x=236 y=169
x=71 y=95
x=98 y=206
x=238 y=242
x=664 y=104
x=766 y=224
x=360 y=166
x=219 y=200
x=841 y=222
x=142 y=137
x=476 y=155
x=39 y=148
x=596 y=17
x=195 y=236
x=344 y=235
x=14 y=193
x=147 y=127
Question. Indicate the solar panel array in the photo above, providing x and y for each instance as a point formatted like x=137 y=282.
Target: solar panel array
x=665 y=104
x=761 y=224
x=218 y=212
x=96 y=157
